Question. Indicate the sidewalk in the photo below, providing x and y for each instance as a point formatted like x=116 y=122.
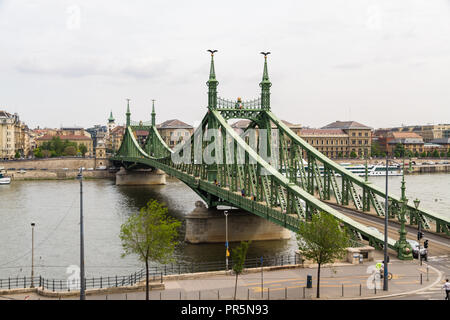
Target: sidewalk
x=340 y=281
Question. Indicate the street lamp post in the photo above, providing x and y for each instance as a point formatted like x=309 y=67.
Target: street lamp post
x=386 y=221
x=226 y=239
x=32 y=254
x=419 y=226
x=82 y=281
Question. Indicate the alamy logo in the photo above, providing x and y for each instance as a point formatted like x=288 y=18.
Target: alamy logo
x=73 y=21
x=374 y=280
x=73 y=280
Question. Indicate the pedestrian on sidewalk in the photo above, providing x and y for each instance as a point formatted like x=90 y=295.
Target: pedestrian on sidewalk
x=446 y=286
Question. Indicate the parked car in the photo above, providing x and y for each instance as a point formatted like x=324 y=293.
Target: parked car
x=415 y=248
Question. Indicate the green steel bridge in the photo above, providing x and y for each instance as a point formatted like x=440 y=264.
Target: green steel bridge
x=290 y=183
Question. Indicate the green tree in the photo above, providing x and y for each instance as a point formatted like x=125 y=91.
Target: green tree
x=399 y=150
x=435 y=154
x=238 y=256
x=416 y=154
x=57 y=146
x=375 y=149
x=45 y=153
x=423 y=154
x=17 y=155
x=322 y=241
x=38 y=153
x=151 y=235
x=353 y=155
x=83 y=149
x=70 y=151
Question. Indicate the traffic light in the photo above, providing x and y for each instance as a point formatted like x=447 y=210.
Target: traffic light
x=425 y=244
x=419 y=235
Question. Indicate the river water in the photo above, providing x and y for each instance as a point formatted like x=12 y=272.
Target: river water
x=54 y=207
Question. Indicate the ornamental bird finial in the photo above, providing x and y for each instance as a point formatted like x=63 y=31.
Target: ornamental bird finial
x=212 y=51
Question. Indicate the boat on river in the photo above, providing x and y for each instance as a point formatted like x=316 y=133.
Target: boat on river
x=4 y=179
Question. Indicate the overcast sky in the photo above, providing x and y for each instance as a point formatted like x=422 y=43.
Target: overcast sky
x=381 y=63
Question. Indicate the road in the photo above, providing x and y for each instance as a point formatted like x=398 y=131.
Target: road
x=438 y=250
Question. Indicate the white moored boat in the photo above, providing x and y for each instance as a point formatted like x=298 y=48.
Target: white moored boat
x=4 y=179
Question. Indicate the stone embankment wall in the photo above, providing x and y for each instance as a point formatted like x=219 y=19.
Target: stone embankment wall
x=54 y=163
x=55 y=168
x=58 y=174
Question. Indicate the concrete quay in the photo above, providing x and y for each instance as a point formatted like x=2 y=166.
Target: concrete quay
x=339 y=281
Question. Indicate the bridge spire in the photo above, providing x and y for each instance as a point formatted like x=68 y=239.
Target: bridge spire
x=265 y=85
x=128 y=114
x=153 y=113
x=212 y=84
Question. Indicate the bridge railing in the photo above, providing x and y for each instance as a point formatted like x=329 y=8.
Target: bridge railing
x=230 y=104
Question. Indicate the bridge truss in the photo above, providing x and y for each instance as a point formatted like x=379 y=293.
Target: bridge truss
x=282 y=183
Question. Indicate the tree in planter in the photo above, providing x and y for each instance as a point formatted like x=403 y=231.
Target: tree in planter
x=151 y=235
x=238 y=256
x=322 y=241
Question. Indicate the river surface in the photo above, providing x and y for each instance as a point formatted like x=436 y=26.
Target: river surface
x=54 y=206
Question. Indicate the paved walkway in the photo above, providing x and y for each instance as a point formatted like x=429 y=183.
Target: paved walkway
x=341 y=281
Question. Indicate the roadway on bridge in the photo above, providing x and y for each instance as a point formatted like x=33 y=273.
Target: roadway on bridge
x=439 y=246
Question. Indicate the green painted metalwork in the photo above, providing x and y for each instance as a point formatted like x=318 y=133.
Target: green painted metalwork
x=283 y=188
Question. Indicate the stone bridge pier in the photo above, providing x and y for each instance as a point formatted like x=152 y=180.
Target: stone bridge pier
x=140 y=177
x=205 y=225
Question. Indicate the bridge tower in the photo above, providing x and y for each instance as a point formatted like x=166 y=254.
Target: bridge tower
x=265 y=85
x=153 y=113
x=128 y=114
x=212 y=84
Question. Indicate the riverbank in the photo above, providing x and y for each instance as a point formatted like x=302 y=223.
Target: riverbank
x=58 y=174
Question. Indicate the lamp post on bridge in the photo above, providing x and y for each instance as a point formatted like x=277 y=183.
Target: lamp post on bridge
x=419 y=227
x=403 y=247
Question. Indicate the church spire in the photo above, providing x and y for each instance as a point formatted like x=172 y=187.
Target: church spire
x=265 y=85
x=212 y=84
x=111 y=118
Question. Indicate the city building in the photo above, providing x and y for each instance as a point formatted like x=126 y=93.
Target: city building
x=16 y=139
x=331 y=142
x=114 y=140
x=98 y=133
x=428 y=132
x=173 y=131
x=359 y=137
x=411 y=141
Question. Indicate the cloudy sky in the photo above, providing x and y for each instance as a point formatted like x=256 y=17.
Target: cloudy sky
x=382 y=63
